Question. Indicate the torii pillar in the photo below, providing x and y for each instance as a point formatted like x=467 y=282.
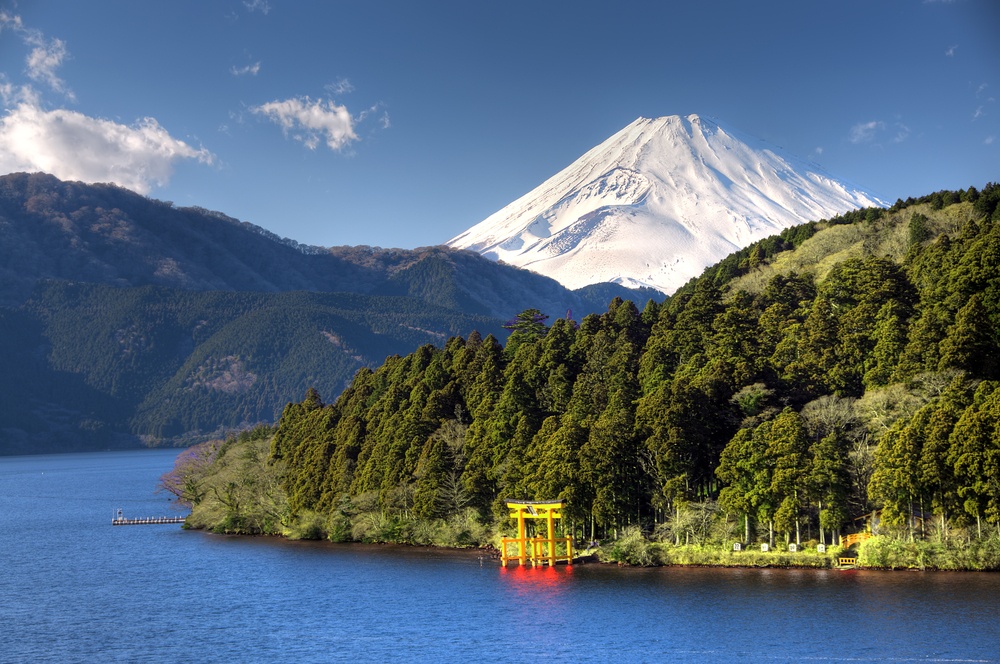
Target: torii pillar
x=544 y=509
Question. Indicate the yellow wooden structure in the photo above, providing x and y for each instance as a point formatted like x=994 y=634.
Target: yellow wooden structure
x=847 y=541
x=542 y=549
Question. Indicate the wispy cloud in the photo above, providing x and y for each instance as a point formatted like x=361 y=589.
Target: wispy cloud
x=864 y=132
x=247 y=70
x=341 y=87
x=262 y=6
x=989 y=140
x=872 y=131
x=981 y=95
x=378 y=110
x=74 y=146
x=46 y=55
x=43 y=61
x=311 y=121
x=10 y=21
x=7 y=91
x=950 y=51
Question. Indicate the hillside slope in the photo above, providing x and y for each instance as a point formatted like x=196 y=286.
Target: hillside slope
x=90 y=366
x=127 y=320
x=103 y=234
x=841 y=367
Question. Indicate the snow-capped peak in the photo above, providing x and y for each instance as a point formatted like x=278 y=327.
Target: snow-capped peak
x=657 y=203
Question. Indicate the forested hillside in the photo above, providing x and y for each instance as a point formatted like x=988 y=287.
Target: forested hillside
x=98 y=366
x=845 y=365
x=129 y=320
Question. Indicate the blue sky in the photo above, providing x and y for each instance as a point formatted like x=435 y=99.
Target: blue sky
x=402 y=123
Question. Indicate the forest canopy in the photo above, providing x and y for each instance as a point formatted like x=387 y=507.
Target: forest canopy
x=846 y=366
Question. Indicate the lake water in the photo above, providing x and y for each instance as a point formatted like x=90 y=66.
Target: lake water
x=74 y=588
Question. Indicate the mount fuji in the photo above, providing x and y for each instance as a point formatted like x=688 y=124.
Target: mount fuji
x=657 y=203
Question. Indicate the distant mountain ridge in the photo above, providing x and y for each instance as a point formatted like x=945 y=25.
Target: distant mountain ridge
x=104 y=234
x=126 y=319
x=657 y=203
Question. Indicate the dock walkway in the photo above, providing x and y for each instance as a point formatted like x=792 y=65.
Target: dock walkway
x=120 y=520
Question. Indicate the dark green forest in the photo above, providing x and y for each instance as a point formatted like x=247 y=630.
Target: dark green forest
x=845 y=366
x=129 y=321
x=91 y=365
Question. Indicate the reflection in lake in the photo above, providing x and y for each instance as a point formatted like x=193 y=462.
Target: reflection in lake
x=77 y=589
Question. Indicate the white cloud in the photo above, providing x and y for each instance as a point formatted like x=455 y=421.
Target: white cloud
x=864 y=132
x=989 y=140
x=69 y=144
x=950 y=51
x=251 y=70
x=73 y=146
x=978 y=113
x=311 y=121
x=902 y=133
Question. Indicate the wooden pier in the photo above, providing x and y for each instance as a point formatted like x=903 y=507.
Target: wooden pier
x=120 y=520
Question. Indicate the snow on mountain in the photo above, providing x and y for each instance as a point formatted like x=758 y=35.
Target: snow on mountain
x=657 y=203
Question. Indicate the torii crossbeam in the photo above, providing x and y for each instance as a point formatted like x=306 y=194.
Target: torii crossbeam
x=542 y=549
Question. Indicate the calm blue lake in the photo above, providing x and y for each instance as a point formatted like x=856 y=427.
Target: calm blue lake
x=74 y=588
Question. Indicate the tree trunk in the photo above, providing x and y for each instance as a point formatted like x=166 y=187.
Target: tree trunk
x=923 y=535
x=822 y=539
x=911 y=520
x=746 y=528
x=770 y=533
x=677 y=520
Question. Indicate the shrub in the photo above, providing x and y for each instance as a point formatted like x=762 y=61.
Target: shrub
x=309 y=526
x=632 y=548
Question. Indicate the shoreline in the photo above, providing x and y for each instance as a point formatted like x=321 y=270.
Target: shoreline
x=490 y=554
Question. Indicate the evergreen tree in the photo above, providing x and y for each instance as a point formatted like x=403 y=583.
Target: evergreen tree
x=788 y=445
x=975 y=455
x=971 y=343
